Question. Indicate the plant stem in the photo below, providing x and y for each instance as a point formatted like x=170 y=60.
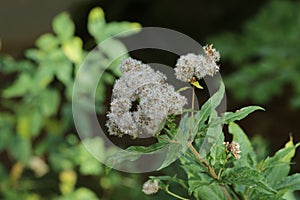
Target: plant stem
x=195 y=152
x=174 y=195
x=210 y=170
x=192 y=113
x=199 y=157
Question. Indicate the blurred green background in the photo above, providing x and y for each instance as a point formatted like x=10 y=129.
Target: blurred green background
x=41 y=156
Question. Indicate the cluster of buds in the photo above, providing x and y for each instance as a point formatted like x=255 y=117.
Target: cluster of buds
x=191 y=66
x=233 y=148
x=150 y=187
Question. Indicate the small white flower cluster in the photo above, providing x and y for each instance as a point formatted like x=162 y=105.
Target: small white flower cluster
x=192 y=65
x=150 y=187
x=156 y=100
x=234 y=148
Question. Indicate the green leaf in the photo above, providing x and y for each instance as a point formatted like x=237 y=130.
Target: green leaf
x=212 y=191
x=108 y=78
x=88 y=165
x=218 y=148
x=175 y=149
x=20 y=87
x=49 y=102
x=73 y=49
x=123 y=29
x=29 y=123
x=291 y=183
x=147 y=149
x=132 y=153
x=47 y=42
x=246 y=176
x=35 y=54
x=63 y=26
x=44 y=76
x=183 y=89
x=96 y=23
x=20 y=148
x=213 y=140
x=115 y=50
x=84 y=193
x=248 y=156
x=210 y=105
x=276 y=168
x=182 y=135
x=64 y=72
x=120 y=156
x=240 y=114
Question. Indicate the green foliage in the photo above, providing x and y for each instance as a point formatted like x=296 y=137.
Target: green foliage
x=264 y=54
x=41 y=154
x=213 y=169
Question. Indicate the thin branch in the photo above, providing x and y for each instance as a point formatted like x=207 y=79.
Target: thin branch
x=174 y=195
x=210 y=170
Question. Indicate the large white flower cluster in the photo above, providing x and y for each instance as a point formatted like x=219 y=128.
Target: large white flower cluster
x=155 y=100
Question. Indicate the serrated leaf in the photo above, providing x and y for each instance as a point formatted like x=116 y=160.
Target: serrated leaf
x=63 y=26
x=240 y=114
x=248 y=156
x=248 y=177
x=212 y=191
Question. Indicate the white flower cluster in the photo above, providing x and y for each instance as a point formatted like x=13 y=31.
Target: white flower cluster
x=192 y=65
x=150 y=187
x=156 y=100
x=234 y=148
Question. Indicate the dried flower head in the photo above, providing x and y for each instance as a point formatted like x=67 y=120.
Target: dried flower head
x=234 y=148
x=150 y=187
x=155 y=100
x=191 y=65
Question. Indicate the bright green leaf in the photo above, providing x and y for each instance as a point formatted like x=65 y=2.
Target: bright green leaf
x=20 y=148
x=73 y=49
x=240 y=114
x=47 y=42
x=49 y=102
x=63 y=26
x=20 y=87
x=29 y=123
x=291 y=183
x=276 y=168
x=96 y=23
